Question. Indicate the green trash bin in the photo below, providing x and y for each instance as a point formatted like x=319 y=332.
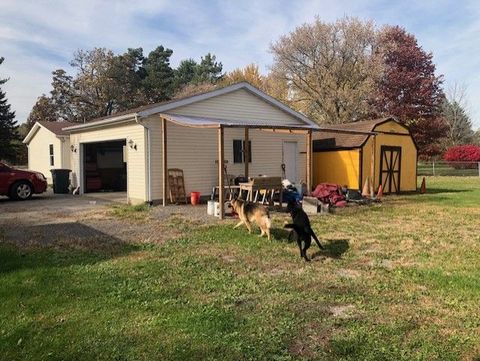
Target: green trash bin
x=61 y=180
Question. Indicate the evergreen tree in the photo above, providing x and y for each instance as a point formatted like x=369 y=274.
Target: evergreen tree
x=208 y=70
x=192 y=77
x=8 y=126
x=185 y=73
x=127 y=72
x=158 y=82
x=21 y=151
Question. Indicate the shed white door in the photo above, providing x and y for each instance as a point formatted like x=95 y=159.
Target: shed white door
x=290 y=160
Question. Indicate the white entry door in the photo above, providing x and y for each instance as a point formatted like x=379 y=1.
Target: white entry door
x=290 y=151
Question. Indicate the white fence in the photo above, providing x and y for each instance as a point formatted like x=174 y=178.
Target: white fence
x=438 y=168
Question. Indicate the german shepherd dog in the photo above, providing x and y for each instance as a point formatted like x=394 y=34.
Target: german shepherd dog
x=249 y=212
x=302 y=228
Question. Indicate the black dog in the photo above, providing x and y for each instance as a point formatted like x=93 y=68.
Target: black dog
x=301 y=226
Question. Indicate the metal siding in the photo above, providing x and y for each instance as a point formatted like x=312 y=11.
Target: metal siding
x=238 y=105
x=66 y=151
x=195 y=151
x=39 y=153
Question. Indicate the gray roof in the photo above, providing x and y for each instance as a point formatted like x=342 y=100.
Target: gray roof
x=56 y=127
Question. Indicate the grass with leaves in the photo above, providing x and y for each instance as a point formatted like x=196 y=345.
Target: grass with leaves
x=397 y=281
x=125 y=211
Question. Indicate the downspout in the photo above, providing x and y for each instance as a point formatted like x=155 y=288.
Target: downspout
x=149 y=163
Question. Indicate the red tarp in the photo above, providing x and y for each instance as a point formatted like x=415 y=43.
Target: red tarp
x=330 y=193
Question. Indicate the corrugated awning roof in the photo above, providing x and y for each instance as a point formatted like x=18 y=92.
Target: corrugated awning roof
x=203 y=122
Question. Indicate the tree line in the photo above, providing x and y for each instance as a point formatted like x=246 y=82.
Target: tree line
x=351 y=70
x=105 y=83
x=345 y=71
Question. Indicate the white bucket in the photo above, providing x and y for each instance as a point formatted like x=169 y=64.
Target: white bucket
x=216 y=207
x=226 y=208
x=211 y=208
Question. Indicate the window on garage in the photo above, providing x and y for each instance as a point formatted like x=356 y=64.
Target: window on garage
x=239 y=151
x=52 y=157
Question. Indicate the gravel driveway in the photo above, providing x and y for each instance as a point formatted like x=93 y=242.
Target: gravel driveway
x=53 y=219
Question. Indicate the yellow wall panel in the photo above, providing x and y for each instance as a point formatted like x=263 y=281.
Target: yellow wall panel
x=339 y=167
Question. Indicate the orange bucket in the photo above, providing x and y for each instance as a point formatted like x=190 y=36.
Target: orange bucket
x=195 y=198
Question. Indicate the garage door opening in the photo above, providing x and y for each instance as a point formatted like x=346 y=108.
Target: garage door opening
x=105 y=167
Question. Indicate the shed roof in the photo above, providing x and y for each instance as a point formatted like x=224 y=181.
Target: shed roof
x=326 y=140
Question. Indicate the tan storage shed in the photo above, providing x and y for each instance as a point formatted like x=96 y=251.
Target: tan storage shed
x=346 y=158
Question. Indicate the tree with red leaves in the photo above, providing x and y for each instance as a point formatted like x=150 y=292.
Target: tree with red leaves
x=463 y=153
x=410 y=90
x=468 y=155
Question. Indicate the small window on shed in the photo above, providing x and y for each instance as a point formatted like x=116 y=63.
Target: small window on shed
x=52 y=158
x=239 y=151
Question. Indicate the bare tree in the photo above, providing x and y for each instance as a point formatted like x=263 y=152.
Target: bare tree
x=455 y=111
x=330 y=69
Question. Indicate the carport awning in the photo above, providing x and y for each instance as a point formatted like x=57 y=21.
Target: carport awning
x=204 y=122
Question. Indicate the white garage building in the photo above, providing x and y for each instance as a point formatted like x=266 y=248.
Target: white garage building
x=129 y=150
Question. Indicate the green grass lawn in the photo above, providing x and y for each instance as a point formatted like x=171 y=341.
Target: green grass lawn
x=398 y=281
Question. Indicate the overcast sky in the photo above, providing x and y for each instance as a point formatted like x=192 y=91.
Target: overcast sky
x=37 y=37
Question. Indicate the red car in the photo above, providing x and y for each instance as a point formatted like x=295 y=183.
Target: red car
x=20 y=184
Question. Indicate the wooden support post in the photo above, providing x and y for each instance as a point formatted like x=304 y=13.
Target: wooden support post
x=246 y=152
x=309 y=145
x=221 y=158
x=372 y=167
x=164 y=162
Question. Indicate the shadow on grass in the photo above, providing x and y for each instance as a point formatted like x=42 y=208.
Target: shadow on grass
x=445 y=190
x=334 y=248
x=282 y=234
x=436 y=191
x=57 y=245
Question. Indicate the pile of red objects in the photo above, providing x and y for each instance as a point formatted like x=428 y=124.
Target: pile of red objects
x=330 y=193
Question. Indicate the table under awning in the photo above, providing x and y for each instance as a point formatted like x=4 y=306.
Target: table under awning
x=220 y=125
x=280 y=126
